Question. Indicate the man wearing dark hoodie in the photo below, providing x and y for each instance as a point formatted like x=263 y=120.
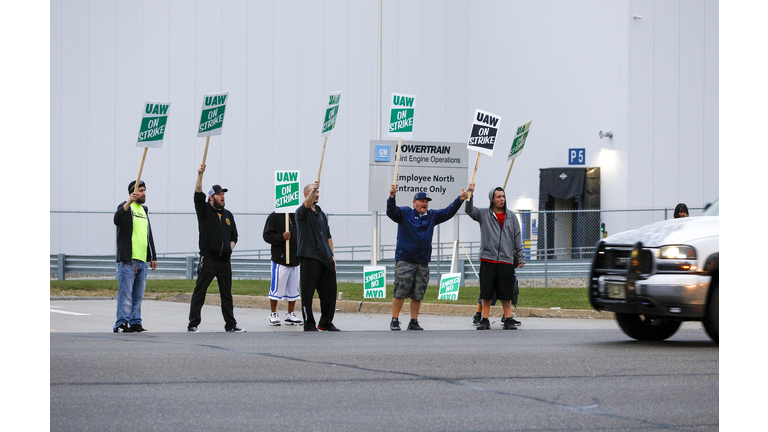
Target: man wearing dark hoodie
x=217 y=239
x=135 y=248
x=501 y=250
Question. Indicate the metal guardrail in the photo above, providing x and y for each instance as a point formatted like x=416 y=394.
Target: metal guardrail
x=247 y=267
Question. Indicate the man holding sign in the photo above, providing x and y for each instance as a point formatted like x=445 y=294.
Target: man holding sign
x=415 y=226
x=135 y=248
x=318 y=265
x=501 y=250
x=280 y=233
x=217 y=239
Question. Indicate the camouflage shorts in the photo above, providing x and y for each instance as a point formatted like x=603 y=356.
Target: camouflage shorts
x=411 y=280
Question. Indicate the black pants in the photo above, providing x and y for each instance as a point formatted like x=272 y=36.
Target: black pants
x=321 y=277
x=208 y=269
x=497 y=281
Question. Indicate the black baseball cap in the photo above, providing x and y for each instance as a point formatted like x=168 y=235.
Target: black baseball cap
x=133 y=183
x=421 y=195
x=216 y=189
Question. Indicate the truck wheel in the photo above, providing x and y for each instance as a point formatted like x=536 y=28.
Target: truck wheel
x=645 y=328
x=712 y=318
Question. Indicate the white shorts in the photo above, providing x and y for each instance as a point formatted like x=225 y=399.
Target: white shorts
x=285 y=282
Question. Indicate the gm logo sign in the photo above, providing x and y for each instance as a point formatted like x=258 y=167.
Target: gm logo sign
x=383 y=153
x=576 y=156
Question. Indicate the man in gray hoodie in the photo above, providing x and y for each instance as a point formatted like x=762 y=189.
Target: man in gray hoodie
x=501 y=250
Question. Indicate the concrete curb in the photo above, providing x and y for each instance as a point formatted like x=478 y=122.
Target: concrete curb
x=365 y=307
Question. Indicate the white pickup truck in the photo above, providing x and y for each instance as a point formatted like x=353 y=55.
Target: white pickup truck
x=655 y=277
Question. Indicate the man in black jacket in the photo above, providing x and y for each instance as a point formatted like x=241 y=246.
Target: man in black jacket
x=285 y=269
x=318 y=265
x=218 y=236
x=135 y=248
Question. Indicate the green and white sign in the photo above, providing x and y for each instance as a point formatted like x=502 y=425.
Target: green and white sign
x=520 y=136
x=401 y=116
x=212 y=116
x=331 y=113
x=374 y=282
x=153 y=120
x=449 y=286
x=287 y=196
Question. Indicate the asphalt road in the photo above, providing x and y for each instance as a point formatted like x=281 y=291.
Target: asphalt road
x=552 y=375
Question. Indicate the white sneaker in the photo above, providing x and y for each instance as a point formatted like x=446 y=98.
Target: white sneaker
x=274 y=319
x=292 y=319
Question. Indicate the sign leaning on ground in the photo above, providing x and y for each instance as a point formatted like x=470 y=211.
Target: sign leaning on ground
x=519 y=142
x=331 y=113
x=212 y=115
x=437 y=168
x=485 y=126
x=287 y=196
x=153 y=120
x=449 y=286
x=374 y=282
x=401 y=116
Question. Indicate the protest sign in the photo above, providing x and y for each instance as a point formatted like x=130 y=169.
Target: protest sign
x=482 y=138
x=517 y=146
x=331 y=113
x=212 y=114
x=211 y=121
x=401 y=112
x=449 y=286
x=287 y=193
x=152 y=130
x=287 y=200
x=329 y=123
x=153 y=121
x=374 y=282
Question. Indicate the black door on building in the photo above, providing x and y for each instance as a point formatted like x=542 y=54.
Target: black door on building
x=571 y=199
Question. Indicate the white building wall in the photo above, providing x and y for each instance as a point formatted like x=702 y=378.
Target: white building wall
x=574 y=68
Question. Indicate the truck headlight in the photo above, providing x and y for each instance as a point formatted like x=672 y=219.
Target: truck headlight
x=677 y=252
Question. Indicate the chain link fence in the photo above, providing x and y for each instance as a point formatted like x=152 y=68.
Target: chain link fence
x=559 y=244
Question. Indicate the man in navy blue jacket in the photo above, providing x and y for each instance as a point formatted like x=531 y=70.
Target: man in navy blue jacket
x=414 y=250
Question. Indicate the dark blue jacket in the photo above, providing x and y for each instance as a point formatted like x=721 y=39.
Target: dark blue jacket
x=414 y=231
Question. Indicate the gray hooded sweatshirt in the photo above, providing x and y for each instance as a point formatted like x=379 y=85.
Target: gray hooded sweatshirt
x=497 y=243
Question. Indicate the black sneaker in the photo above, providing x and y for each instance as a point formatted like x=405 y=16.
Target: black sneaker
x=311 y=329
x=137 y=328
x=122 y=328
x=484 y=324
x=515 y=322
x=394 y=325
x=476 y=319
x=509 y=324
x=236 y=330
x=414 y=325
x=328 y=328
x=192 y=329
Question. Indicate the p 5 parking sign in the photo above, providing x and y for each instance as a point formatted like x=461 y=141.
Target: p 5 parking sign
x=576 y=156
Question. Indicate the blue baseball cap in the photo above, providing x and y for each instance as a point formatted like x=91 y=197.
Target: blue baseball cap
x=421 y=195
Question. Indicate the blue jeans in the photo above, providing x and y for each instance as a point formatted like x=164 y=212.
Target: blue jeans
x=130 y=292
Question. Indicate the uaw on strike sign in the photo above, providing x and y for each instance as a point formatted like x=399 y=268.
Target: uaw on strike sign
x=153 y=120
x=287 y=196
x=485 y=126
x=212 y=116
